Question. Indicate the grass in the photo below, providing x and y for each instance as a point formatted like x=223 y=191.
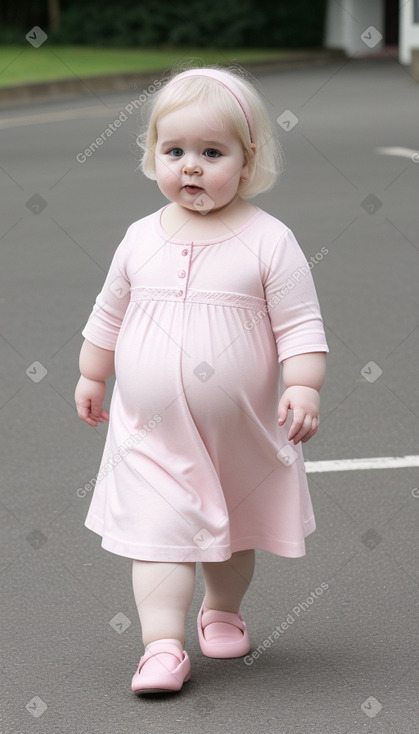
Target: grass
x=26 y=64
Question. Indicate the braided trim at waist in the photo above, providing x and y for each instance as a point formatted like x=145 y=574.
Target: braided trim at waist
x=215 y=298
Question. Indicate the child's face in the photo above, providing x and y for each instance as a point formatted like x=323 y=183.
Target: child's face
x=199 y=165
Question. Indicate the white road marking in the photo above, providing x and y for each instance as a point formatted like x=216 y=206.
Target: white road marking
x=377 y=462
x=398 y=151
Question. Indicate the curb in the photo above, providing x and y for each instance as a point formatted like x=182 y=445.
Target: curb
x=132 y=81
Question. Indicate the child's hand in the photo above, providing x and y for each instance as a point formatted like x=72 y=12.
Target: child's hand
x=89 y=397
x=305 y=402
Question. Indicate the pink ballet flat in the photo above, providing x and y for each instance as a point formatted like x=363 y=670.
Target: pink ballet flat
x=222 y=634
x=158 y=672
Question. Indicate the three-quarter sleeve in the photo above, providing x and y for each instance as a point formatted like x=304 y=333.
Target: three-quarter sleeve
x=105 y=321
x=292 y=302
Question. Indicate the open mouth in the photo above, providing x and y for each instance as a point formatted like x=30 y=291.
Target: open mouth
x=192 y=189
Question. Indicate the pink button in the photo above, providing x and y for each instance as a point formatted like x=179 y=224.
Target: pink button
x=182 y=273
x=180 y=293
x=184 y=252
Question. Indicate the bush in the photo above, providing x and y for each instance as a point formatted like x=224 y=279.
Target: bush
x=215 y=24
x=174 y=23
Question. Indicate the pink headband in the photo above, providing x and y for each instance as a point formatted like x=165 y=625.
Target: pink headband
x=225 y=79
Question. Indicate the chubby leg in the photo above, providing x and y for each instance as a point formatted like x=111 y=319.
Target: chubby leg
x=227 y=582
x=163 y=594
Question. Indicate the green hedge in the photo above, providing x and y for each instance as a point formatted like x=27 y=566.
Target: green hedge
x=217 y=23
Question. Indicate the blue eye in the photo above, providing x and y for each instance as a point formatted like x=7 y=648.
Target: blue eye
x=212 y=153
x=176 y=152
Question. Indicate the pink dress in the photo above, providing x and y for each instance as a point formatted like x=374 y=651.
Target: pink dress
x=195 y=466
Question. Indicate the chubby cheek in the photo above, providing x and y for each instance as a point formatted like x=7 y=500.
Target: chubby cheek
x=166 y=175
x=226 y=182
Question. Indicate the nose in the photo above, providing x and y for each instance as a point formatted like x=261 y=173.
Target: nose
x=191 y=164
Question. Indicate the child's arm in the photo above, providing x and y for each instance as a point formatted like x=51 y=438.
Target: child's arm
x=101 y=334
x=96 y=365
x=303 y=376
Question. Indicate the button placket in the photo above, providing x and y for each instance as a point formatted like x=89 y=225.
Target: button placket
x=183 y=273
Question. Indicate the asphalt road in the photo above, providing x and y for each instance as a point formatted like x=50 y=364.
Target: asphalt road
x=345 y=660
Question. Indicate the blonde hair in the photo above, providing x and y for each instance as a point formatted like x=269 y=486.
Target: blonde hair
x=265 y=164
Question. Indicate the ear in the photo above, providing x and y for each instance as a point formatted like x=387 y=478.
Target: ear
x=245 y=170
